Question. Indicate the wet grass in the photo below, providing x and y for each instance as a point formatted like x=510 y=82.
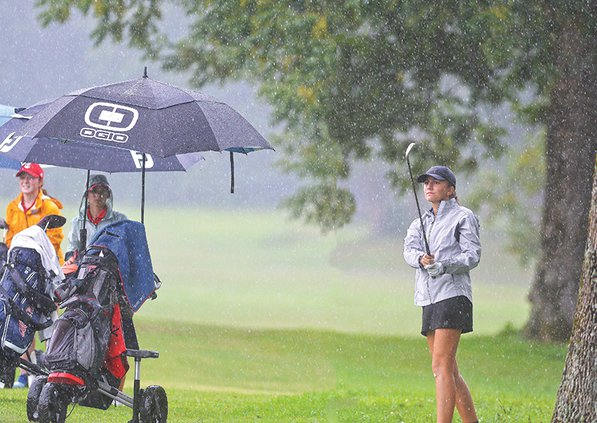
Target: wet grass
x=256 y=269
x=216 y=374
x=263 y=319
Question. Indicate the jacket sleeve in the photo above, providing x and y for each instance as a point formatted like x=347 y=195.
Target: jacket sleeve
x=73 y=236
x=470 y=246
x=56 y=235
x=10 y=222
x=413 y=245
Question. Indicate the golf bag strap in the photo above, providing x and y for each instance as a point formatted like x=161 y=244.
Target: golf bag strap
x=41 y=301
x=21 y=315
x=91 y=302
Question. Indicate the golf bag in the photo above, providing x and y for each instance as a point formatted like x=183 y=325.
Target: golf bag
x=25 y=307
x=77 y=353
x=86 y=356
x=3 y=253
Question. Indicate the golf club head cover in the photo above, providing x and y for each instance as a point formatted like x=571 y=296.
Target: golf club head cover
x=51 y=221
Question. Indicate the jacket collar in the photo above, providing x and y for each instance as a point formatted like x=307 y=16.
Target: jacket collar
x=444 y=207
x=36 y=206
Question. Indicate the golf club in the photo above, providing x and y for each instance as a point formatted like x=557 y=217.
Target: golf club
x=410 y=147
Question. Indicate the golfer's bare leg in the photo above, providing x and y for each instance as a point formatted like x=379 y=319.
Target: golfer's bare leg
x=450 y=388
x=464 y=400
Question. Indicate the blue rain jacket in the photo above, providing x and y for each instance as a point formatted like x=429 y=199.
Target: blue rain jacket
x=453 y=237
x=127 y=241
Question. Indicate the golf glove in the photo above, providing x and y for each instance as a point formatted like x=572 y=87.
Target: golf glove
x=435 y=269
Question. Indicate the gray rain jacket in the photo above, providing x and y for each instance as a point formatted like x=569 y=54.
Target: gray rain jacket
x=453 y=237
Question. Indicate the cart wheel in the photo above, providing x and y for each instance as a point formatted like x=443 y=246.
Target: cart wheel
x=154 y=405
x=33 y=398
x=52 y=404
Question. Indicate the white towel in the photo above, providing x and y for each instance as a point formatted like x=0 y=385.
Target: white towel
x=36 y=239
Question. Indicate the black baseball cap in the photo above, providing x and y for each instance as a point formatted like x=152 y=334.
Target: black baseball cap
x=441 y=173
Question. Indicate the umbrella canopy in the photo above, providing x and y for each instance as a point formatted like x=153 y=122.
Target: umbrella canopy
x=147 y=116
x=142 y=115
x=80 y=155
x=6 y=112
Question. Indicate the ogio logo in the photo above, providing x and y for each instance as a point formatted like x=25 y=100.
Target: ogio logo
x=9 y=142
x=107 y=121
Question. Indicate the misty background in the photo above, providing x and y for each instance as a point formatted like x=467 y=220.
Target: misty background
x=43 y=64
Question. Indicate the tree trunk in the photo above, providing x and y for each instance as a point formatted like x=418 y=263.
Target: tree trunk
x=570 y=150
x=577 y=396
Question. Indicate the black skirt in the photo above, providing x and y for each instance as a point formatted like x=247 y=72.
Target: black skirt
x=453 y=313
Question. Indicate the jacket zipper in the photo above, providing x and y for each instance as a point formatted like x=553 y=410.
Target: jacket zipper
x=427 y=280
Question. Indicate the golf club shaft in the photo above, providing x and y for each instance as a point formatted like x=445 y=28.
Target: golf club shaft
x=412 y=180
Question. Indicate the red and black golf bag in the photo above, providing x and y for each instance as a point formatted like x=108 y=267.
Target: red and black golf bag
x=87 y=344
x=86 y=355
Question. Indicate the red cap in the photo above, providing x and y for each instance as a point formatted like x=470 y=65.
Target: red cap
x=32 y=169
x=98 y=185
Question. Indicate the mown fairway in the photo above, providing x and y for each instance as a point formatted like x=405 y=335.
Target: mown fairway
x=260 y=319
x=228 y=375
x=257 y=269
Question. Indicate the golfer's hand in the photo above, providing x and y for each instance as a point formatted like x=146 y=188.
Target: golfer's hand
x=435 y=269
x=426 y=260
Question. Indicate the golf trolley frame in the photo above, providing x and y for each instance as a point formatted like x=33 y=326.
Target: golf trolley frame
x=148 y=405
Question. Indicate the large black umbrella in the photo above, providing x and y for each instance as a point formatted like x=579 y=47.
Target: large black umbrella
x=80 y=155
x=5 y=114
x=144 y=116
x=147 y=116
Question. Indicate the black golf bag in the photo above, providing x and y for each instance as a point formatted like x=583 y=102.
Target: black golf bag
x=25 y=307
x=77 y=352
x=86 y=358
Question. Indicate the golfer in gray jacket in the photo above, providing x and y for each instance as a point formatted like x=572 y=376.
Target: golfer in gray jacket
x=443 y=285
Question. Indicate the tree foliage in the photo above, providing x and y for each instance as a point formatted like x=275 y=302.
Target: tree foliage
x=359 y=80
x=348 y=80
x=514 y=195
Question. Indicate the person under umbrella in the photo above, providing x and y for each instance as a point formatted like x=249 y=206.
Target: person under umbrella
x=142 y=115
x=31 y=205
x=96 y=212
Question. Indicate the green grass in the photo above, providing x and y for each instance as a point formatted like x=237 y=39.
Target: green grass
x=224 y=374
x=259 y=270
x=262 y=319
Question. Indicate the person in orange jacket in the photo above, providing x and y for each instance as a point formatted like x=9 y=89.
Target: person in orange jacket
x=31 y=205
